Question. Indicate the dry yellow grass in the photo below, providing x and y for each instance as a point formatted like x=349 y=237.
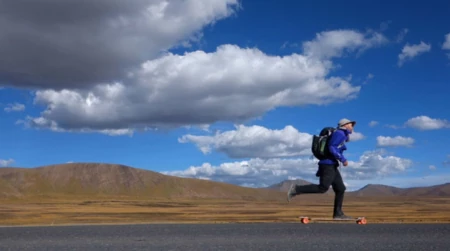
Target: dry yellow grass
x=57 y=211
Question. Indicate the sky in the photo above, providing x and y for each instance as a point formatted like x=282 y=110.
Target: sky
x=228 y=90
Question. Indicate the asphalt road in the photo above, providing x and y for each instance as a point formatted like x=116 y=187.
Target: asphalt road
x=271 y=236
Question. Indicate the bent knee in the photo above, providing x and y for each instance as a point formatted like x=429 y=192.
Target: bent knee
x=323 y=189
x=340 y=189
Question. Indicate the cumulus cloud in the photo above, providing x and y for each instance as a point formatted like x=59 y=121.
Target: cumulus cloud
x=197 y=88
x=427 y=123
x=16 y=107
x=446 y=44
x=8 y=162
x=356 y=136
x=90 y=42
x=411 y=51
x=254 y=142
x=257 y=142
x=373 y=123
x=338 y=43
x=138 y=84
x=257 y=172
x=383 y=141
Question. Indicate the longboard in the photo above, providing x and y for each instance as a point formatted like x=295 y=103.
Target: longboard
x=358 y=220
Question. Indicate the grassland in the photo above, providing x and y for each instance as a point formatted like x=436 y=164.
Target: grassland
x=78 y=210
x=92 y=193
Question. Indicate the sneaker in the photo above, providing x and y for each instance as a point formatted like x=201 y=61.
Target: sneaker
x=342 y=217
x=291 y=192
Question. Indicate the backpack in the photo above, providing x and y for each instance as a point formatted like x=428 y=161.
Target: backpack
x=319 y=143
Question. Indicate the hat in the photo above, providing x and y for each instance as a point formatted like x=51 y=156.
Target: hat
x=343 y=122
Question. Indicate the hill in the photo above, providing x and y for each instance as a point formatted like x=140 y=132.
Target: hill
x=286 y=184
x=96 y=179
x=383 y=190
x=376 y=189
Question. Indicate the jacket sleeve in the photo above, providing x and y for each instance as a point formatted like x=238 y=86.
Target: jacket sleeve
x=336 y=139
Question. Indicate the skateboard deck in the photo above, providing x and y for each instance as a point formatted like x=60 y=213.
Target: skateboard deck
x=358 y=220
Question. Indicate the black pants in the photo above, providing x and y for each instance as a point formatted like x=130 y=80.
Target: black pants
x=329 y=175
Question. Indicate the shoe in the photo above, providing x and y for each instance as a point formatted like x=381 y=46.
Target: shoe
x=291 y=192
x=341 y=216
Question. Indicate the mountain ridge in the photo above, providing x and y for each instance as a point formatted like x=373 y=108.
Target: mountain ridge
x=105 y=179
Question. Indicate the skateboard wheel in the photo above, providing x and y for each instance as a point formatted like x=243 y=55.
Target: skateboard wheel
x=362 y=221
x=305 y=220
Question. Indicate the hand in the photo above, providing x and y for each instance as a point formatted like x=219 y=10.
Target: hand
x=346 y=163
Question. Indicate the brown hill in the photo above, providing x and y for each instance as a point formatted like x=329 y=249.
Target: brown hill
x=376 y=189
x=286 y=184
x=437 y=190
x=383 y=190
x=95 y=179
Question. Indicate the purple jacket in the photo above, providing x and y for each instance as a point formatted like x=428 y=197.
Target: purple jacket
x=337 y=146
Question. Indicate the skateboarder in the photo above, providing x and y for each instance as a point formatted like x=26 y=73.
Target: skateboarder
x=328 y=170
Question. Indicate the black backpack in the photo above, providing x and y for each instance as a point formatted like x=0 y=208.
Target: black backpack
x=319 y=143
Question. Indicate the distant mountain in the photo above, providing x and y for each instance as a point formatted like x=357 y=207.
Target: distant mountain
x=286 y=184
x=98 y=179
x=90 y=180
x=377 y=189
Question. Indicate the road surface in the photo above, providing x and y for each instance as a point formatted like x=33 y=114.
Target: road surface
x=259 y=236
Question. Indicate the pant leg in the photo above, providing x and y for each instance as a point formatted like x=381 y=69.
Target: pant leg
x=339 y=190
x=327 y=176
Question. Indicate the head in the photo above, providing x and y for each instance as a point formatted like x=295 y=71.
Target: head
x=346 y=124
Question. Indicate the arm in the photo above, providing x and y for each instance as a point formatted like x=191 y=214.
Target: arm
x=336 y=139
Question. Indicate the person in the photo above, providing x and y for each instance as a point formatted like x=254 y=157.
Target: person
x=328 y=170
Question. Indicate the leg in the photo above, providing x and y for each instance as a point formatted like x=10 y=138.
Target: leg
x=327 y=176
x=339 y=190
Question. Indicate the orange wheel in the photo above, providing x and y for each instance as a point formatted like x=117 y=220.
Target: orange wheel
x=305 y=220
x=363 y=221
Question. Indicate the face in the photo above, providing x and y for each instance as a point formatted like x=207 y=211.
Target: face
x=349 y=126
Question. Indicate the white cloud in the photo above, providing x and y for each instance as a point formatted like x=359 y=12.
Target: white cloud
x=337 y=43
x=16 y=107
x=110 y=36
x=258 y=142
x=356 y=136
x=383 y=141
x=197 y=88
x=447 y=162
x=4 y=163
x=376 y=164
x=259 y=173
x=255 y=142
x=402 y=35
x=427 y=123
x=432 y=167
x=373 y=123
x=411 y=51
x=368 y=78
x=446 y=44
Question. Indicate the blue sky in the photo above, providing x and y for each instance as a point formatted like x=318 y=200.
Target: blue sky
x=232 y=101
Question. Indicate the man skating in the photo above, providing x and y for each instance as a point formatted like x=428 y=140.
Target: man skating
x=328 y=170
